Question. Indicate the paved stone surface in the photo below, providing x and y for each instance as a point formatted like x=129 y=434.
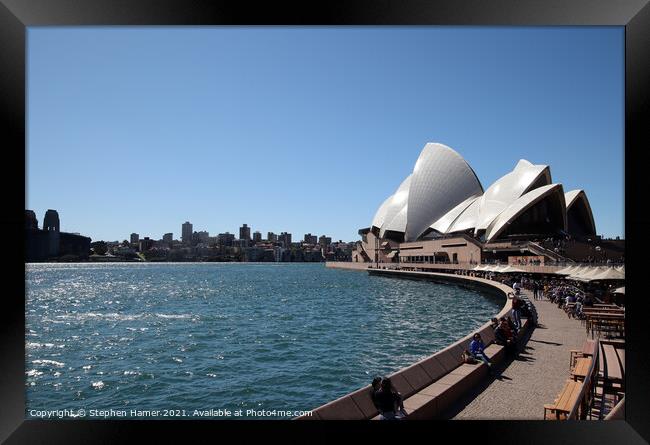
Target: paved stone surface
x=537 y=375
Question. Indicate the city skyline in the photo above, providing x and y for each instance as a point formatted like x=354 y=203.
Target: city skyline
x=215 y=233
x=134 y=236
x=48 y=242
x=307 y=130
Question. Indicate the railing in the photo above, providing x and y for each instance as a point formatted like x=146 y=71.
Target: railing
x=618 y=413
x=589 y=263
x=547 y=252
x=563 y=262
x=584 y=402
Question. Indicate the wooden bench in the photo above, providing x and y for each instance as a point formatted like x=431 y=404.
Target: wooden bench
x=565 y=402
x=605 y=305
x=581 y=368
x=608 y=327
x=604 y=322
x=588 y=349
x=602 y=311
x=612 y=365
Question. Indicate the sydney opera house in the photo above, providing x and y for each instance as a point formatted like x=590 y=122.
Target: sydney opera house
x=442 y=213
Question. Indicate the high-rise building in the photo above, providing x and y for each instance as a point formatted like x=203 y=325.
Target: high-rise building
x=168 y=238
x=241 y=243
x=245 y=232
x=271 y=237
x=310 y=239
x=146 y=244
x=325 y=241
x=225 y=239
x=257 y=237
x=285 y=238
x=135 y=238
x=203 y=237
x=186 y=233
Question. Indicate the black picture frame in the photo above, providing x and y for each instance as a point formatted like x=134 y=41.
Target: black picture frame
x=17 y=15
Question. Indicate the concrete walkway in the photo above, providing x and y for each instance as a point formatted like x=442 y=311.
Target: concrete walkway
x=536 y=376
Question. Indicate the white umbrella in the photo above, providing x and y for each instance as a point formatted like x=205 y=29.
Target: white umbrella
x=592 y=271
x=609 y=274
x=585 y=273
x=567 y=270
x=576 y=272
x=511 y=269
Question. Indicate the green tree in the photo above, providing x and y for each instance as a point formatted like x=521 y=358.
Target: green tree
x=99 y=247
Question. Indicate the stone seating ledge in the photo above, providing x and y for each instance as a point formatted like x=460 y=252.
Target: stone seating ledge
x=432 y=385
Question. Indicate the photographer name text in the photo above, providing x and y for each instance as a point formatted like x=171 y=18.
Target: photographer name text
x=161 y=413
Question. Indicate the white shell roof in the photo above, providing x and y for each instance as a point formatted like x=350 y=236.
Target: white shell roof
x=379 y=218
x=467 y=219
x=518 y=207
x=507 y=189
x=444 y=223
x=572 y=196
x=441 y=179
x=396 y=202
x=444 y=194
x=397 y=224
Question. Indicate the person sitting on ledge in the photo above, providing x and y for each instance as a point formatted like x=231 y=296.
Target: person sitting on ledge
x=376 y=386
x=500 y=336
x=511 y=327
x=391 y=406
x=477 y=349
x=505 y=335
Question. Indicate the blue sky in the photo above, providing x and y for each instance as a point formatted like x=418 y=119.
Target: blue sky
x=134 y=129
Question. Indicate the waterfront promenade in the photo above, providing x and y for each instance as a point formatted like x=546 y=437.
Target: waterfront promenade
x=536 y=376
x=528 y=381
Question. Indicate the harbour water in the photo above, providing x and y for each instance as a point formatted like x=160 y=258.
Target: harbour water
x=177 y=338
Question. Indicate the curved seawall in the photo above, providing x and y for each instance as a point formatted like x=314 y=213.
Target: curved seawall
x=443 y=374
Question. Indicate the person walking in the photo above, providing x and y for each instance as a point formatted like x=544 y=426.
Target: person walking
x=516 y=309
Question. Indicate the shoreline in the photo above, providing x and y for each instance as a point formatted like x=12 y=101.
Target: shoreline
x=178 y=262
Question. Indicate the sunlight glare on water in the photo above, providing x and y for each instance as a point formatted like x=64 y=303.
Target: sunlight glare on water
x=227 y=336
